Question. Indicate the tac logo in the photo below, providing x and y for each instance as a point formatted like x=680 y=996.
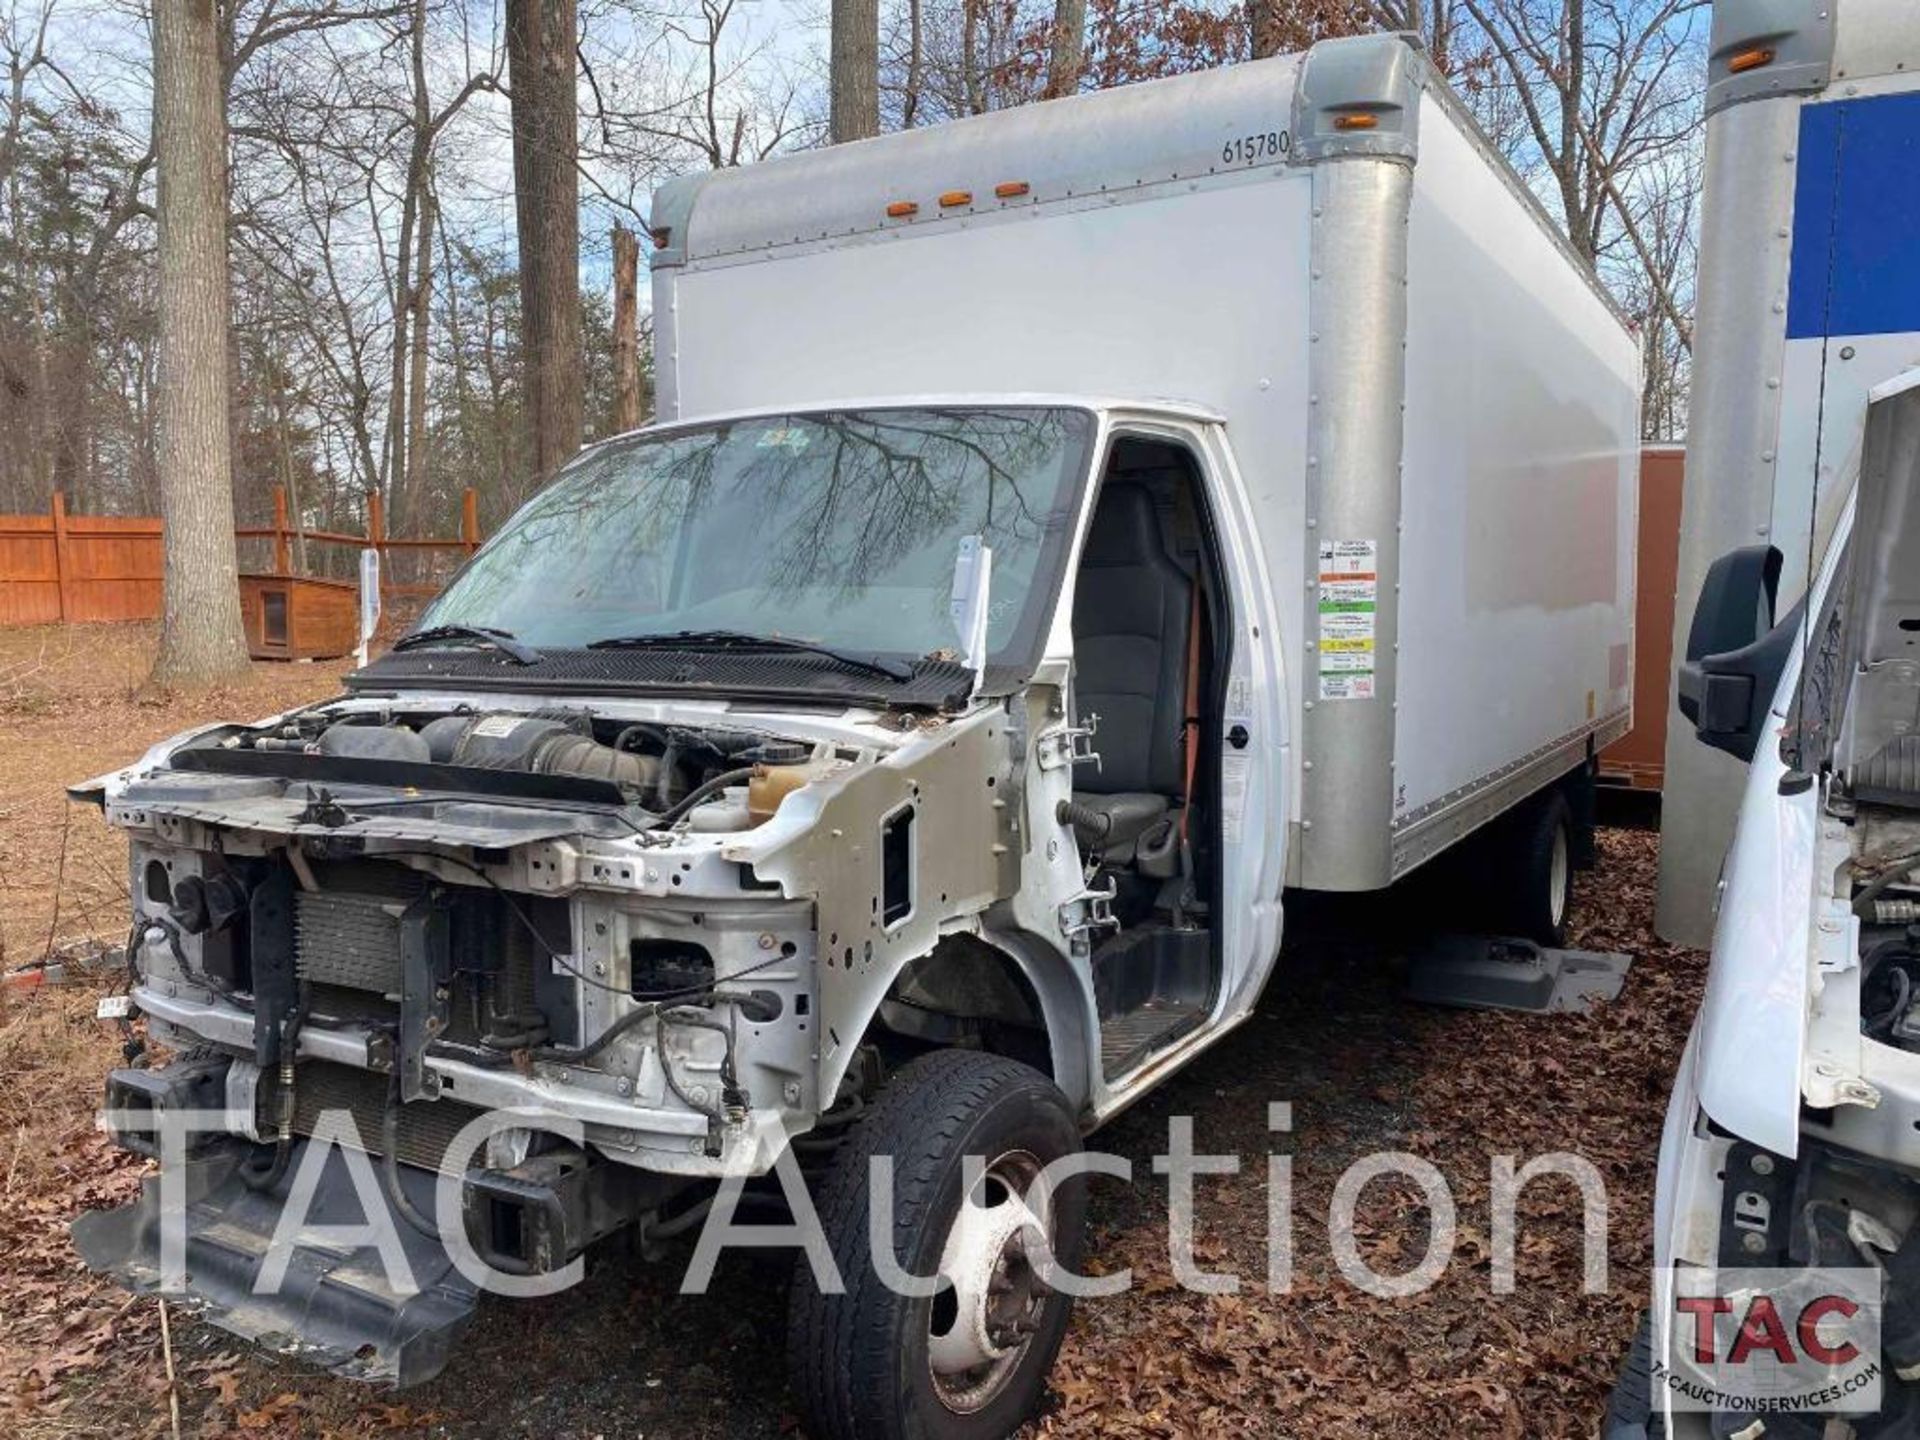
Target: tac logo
x=1771 y=1341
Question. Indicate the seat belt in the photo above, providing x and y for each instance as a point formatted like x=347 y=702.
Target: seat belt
x=1190 y=726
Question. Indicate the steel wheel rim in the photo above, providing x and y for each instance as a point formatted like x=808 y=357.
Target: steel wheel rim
x=1559 y=870
x=982 y=1325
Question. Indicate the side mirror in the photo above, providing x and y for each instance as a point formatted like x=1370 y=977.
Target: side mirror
x=1735 y=651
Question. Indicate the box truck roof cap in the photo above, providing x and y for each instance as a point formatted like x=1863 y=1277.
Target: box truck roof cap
x=1359 y=96
x=1257 y=115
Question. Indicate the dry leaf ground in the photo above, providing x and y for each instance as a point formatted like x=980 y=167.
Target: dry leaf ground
x=625 y=1355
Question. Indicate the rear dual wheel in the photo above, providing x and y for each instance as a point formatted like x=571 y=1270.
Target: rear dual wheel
x=1542 y=842
x=969 y=1362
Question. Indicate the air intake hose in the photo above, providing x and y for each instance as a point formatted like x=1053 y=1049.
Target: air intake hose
x=546 y=747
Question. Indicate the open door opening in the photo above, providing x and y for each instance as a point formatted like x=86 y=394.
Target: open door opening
x=1147 y=621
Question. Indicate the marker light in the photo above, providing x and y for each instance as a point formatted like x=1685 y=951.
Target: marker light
x=956 y=197
x=1011 y=189
x=1357 y=122
x=901 y=209
x=1749 y=60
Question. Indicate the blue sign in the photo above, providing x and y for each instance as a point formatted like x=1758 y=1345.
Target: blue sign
x=1856 y=219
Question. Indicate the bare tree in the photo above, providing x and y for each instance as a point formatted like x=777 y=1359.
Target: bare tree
x=541 y=48
x=1068 y=57
x=201 y=639
x=626 y=330
x=1602 y=86
x=854 y=71
x=1280 y=27
x=916 y=67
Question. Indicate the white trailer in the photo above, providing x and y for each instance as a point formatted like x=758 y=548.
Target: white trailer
x=1809 y=297
x=1408 y=376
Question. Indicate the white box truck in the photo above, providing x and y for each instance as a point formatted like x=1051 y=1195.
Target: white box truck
x=1065 y=530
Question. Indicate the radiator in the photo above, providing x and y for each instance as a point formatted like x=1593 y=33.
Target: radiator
x=426 y=1130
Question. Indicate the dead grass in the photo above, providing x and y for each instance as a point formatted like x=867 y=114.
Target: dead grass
x=70 y=709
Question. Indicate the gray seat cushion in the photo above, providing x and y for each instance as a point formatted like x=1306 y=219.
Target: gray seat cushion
x=1132 y=606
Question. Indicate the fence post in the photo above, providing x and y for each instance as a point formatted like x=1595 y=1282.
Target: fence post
x=62 y=565
x=280 y=565
x=470 y=519
x=377 y=534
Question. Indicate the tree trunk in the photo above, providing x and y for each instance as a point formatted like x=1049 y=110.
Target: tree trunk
x=970 y=57
x=916 y=63
x=854 y=75
x=413 y=209
x=416 y=476
x=626 y=331
x=1269 y=35
x=540 y=61
x=201 y=639
x=1069 y=57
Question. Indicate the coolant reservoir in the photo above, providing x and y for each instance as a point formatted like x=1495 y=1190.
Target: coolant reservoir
x=728 y=812
x=770 y=784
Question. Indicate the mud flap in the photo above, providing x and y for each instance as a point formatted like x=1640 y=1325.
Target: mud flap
x=335 y=1307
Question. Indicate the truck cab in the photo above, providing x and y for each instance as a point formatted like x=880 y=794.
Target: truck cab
x=602 y=844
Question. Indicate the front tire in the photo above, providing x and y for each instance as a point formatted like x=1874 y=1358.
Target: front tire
x=971 y=1362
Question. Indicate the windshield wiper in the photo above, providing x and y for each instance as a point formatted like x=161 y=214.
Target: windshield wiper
x=741 y=640
x=501 y=640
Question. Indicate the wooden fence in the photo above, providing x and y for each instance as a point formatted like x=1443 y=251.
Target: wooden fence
x=59 y=567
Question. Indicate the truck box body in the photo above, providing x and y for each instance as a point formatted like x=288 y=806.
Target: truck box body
x=1809 y=297
x=1419 y=380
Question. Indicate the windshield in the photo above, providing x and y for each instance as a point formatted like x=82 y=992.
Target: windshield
x=838 y=529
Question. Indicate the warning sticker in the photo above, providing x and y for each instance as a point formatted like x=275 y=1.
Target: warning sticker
x=1234 y=761
x=1233 y=797
x=1349 y=608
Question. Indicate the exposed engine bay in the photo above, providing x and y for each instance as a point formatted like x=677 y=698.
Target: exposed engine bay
x=716 y=779
x=286 y=889
x=378 y=926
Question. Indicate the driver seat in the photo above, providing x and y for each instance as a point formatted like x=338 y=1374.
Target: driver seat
x=1132 y=614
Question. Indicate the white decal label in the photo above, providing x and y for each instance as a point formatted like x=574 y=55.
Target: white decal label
x=497 y=727
x=1233 y=797
x=1349 y=606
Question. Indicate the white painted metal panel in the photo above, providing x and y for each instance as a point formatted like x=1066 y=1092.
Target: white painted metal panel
x=1519 y=496
x=1875 y=37
x=1186 y=127
x=1196 y=296
x=1825 y=385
